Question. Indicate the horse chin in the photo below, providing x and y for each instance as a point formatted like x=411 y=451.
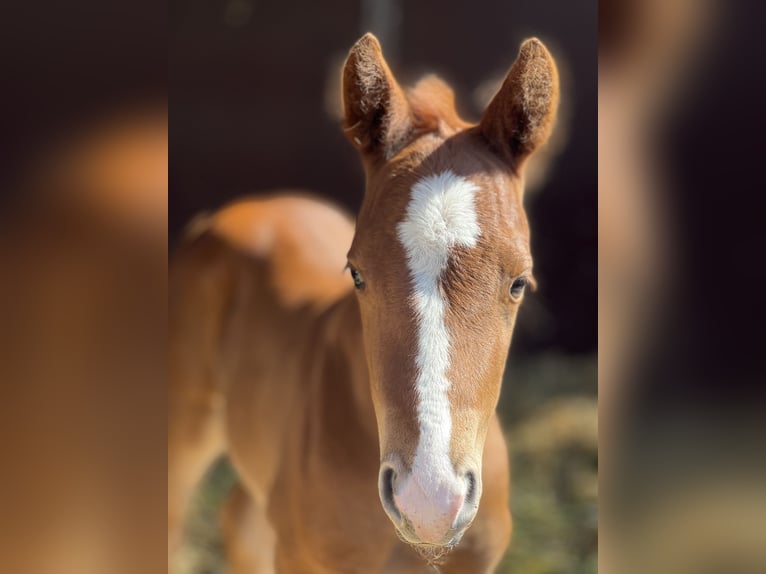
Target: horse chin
x=433 y=554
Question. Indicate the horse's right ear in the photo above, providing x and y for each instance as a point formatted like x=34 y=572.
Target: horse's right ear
x=376 y=112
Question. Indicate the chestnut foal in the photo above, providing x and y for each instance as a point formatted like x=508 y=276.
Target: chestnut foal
x=330 y=400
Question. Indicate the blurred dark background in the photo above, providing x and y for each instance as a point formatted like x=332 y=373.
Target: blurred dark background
x=66 y=65
x=713 y=148
x=255 y=89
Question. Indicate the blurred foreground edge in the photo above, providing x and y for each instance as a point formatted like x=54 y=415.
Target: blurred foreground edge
x=83 y=297
x=680 y=365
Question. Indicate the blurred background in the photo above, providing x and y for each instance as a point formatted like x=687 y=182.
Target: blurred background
x=255 y=106
x=85 y=229
x=681 y=368
x=83 y=296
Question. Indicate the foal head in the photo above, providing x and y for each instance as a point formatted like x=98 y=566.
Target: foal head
x=440 y=261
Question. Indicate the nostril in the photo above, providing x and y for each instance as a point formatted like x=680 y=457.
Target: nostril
x=470 y=494
x=386 y=488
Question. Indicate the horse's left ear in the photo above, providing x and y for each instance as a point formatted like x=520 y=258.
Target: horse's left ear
x=520 y=117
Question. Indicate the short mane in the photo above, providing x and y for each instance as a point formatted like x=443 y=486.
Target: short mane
x=433 y=106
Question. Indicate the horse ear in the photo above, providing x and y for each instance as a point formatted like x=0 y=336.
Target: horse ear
x=520 y=117
x=376 y=111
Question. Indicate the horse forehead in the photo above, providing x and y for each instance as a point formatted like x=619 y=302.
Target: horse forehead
x=449 y=189
x=442 y=207
x=451 y=232
x=395 y=192
x=487 y=227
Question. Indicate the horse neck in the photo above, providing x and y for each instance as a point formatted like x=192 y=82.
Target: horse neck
x=343 y=401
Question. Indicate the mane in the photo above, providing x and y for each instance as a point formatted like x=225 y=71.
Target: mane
x=433 y=106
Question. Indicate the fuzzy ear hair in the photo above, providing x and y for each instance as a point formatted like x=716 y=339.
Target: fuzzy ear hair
x=520 y=117
x=376 y=112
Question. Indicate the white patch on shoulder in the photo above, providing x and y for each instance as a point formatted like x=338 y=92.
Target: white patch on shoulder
x=441 y=215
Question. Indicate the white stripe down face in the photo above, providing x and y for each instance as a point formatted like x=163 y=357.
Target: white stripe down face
x=441 y=215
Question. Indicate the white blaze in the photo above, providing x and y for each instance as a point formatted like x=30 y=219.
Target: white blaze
x=441 y=215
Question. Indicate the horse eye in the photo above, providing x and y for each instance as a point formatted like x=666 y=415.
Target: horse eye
x=517 y=287
x=357 y=277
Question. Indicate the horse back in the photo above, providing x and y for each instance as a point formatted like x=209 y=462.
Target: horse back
x=248 y=284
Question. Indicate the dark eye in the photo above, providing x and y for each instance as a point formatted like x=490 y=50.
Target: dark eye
x=357 y=277
x=517 y=287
